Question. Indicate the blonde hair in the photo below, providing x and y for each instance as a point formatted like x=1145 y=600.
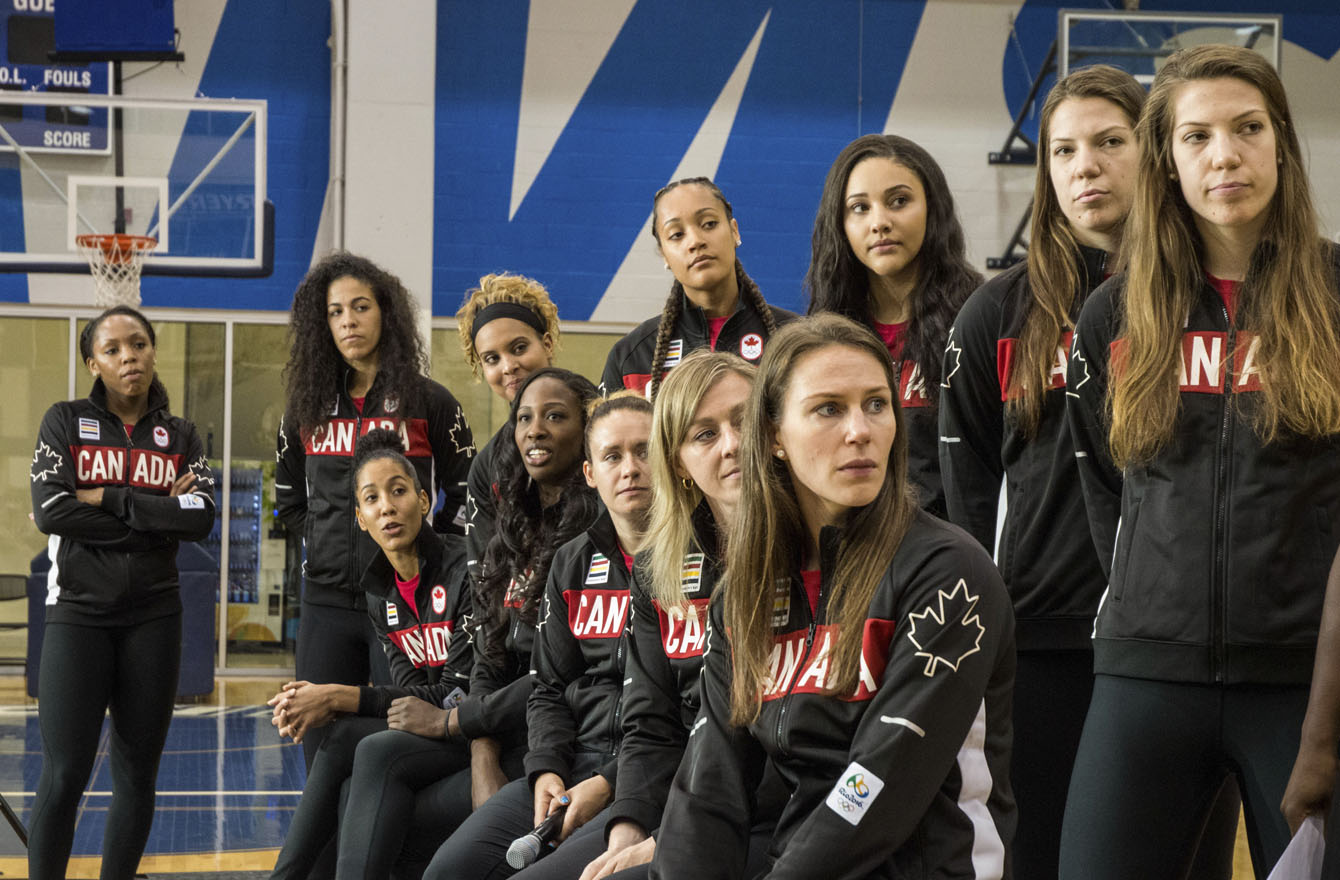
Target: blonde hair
x=768 y=527
x=1288 y=299
x=502 y=287
x=672 y=502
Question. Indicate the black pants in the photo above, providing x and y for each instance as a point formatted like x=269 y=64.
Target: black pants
x=1151 y=765
x=1051 y=698
x=478 y=848
x=336 y=646
x=570 y=860
x=318 y=815
x=86 y=671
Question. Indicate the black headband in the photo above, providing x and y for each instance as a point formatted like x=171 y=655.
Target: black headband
x=494 y=311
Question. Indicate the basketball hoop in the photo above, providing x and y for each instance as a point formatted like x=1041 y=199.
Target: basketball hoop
x=115 y=261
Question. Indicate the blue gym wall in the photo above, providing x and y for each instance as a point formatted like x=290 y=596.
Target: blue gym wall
x=950 y=74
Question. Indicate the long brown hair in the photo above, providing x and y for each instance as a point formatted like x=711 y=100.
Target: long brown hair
x=1053 y=277
x=674 y=304
x=761 y=552
x=1288 y=299
x=672 y=501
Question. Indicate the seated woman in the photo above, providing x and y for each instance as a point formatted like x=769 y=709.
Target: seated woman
x=573 y=715
x=863 y=645
x=418 y=599
x=410 y=789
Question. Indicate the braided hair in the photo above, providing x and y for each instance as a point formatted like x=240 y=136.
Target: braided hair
x=674 y=304
x=528 y=534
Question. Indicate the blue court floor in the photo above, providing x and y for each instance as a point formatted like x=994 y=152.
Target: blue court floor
x=227 y=788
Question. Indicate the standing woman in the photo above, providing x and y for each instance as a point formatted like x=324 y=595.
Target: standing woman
x=713 y=303
x=1204 y=389
x=1002 y=418
x=117 y=481
x=356 y=363
x=509 y=329
x=863 y=645
x=888 y=252
x=577 y=667
x=410 y=792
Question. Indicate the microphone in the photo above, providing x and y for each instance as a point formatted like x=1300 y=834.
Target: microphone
x=525 y=850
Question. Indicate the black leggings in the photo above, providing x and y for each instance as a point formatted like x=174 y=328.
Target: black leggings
x=1151 y=766
x=336 y=646
x=130 y=671
x=478 y=848
x=318 y=814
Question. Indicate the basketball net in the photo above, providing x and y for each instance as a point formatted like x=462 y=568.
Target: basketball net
x=115 y=261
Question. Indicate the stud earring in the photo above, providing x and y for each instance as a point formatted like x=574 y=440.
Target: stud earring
x=1172 y=175
x=780 y=453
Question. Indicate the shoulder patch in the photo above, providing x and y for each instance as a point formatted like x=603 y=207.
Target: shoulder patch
x=89 y=429
x=854 y=792
x=674 y=353
x=691 y=575
x=392 y=614
x=599 y=571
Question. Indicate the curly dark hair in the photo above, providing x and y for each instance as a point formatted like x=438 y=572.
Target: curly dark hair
x=315 y=369
x=527 y=534
x=837 y=280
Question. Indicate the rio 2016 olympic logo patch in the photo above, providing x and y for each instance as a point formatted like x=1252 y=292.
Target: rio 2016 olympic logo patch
x=751 y=347
x=855 y=791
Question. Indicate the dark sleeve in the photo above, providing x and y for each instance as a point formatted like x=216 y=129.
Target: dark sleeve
x=291 y=477
x=971 y=420
x=481 y=509
x=453 y=449
x=56 y=509
x=611 y=379
x=1086 y=413
x=653 y=724
x=704 y=832
x=498 y=695
x=910 y=735
x=556 y=662
x=187 y=517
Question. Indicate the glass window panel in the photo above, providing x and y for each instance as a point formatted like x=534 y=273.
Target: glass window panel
x=34 y=370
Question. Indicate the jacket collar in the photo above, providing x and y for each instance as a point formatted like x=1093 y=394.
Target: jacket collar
x=1093 y=265
x=379 y=577
x=157 y=396
x=693 y=317
x=605 y=539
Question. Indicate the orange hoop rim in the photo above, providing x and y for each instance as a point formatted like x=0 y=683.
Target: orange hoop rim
x=117 y=247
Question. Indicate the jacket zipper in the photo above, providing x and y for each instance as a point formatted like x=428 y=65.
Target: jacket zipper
x=1219 y=581
x=800 y=667
x=125 y=481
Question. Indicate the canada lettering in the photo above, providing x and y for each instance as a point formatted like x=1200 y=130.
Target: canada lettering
x=1204 y=362
x=338 y=436
x=683 y=630
x=912 y=385
x=104 y=465
x=596 y=614
x=424 y=645
x=792 y=671
x=1007 y=351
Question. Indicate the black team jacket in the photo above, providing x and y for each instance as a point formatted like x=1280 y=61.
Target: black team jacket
x=1219 y=546
x=578 y=661
x=906 y=777
x=426 y=644
x=116 y=564
x=314 y=481
x=1044 y=550
x=661 y=695
x=629 y=362
x=481 y=501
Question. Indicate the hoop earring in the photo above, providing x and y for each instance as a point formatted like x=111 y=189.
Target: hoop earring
x=687 y=483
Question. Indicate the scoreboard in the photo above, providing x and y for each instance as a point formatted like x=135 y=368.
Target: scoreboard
x=27 y=35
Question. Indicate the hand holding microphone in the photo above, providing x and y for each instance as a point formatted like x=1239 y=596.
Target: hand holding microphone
x=525 y=850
